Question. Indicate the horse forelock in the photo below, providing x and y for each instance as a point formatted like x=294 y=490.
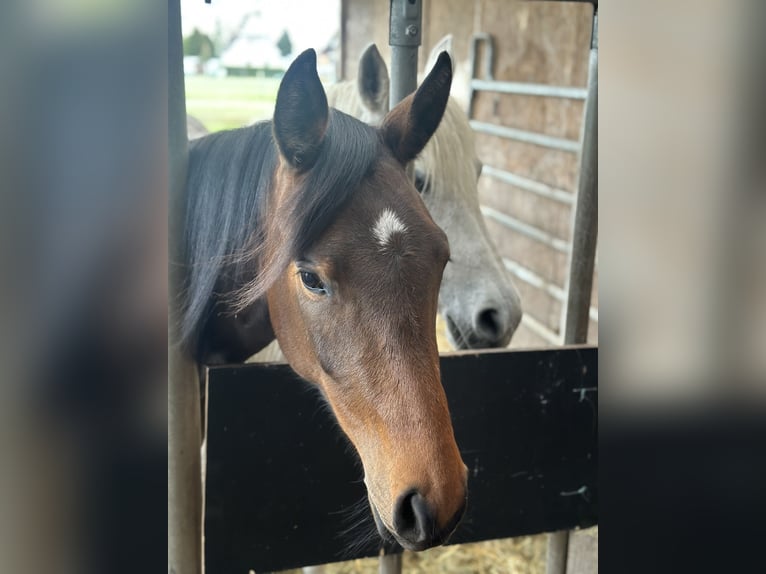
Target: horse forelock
x=347 y=156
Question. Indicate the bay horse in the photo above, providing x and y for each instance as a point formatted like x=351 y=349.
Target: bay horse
x=306 y=228
x=478 y=300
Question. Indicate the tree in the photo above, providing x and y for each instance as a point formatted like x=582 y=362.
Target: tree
x=199 y=44
x=285 y=45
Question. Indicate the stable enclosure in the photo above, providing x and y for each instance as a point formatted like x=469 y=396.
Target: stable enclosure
x=280 y=477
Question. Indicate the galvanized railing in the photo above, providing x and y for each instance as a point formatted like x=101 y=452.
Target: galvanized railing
x=584 y=217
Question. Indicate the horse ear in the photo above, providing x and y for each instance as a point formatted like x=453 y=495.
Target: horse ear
x=443 y=45
x=372 y=80
x=408 y=127
x=301 y=113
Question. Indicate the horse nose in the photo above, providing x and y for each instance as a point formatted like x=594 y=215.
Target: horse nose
x=495 y=325
x=415 y=522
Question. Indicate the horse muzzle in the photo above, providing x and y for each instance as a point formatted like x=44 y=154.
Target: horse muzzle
x=490 y=328
x=414 y=523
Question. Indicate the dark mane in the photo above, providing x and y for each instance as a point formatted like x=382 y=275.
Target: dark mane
x=229 y=181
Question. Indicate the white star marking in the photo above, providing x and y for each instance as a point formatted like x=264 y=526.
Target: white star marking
x=388 y=223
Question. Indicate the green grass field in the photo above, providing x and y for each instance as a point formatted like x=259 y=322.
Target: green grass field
x=231 y=102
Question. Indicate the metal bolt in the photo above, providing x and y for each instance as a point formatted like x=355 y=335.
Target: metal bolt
x=411 y=30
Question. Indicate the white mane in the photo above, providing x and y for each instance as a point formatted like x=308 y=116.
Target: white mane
x=449 y=155
x=345 y=97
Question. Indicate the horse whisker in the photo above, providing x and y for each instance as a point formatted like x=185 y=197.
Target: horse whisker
x=360 y=534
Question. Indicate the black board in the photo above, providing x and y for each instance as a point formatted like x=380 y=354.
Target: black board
x=281 y=476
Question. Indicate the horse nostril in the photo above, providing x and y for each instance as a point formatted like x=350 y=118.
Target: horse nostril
x=491 y=325
x=413 y=520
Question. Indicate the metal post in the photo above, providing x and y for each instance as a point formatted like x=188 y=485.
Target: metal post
x=404 y=33
x=489 y=62
x=556 y=555
x=583 y=255
x=586 y=211
x=404 y=39
x=390 y=564
x=184 y=425
x=184 y=467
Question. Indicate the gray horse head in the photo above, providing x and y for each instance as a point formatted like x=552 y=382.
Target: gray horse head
x=478 y=299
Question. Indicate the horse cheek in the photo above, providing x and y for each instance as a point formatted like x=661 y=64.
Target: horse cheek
x=289 y=325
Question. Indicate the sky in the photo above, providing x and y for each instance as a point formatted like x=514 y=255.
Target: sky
x=310 y=23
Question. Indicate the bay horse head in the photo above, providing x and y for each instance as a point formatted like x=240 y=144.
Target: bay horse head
x=349 y=265
x=478 y=299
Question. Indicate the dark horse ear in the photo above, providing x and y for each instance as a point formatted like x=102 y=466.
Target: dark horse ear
x=373 y=80
x=408 y=127
x=300 y=115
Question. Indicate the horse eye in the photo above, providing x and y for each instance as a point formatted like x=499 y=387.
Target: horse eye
x=312 y=282
x=420 y=181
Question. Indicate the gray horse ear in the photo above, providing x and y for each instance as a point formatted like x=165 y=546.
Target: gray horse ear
x=372 y=80
x=301 y=113
x=408 y=127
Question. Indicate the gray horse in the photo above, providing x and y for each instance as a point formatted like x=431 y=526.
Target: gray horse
x=478 y=299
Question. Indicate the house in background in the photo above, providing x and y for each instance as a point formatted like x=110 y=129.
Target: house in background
x=254 y=54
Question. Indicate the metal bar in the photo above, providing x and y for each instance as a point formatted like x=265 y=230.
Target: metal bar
x=184 y=466
x=525 y=229
x=390 y=564
x=488 y=64
x=585 y=232
x=404 y=34
x=536 y=187
x=404 y=39
x=184 y=416
x=531 y=278
x=542 y=331
x=529 y=89
x=404 y=80
x=585 y=228
x=489 y=57
x=526 y=136
x=557 y=551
